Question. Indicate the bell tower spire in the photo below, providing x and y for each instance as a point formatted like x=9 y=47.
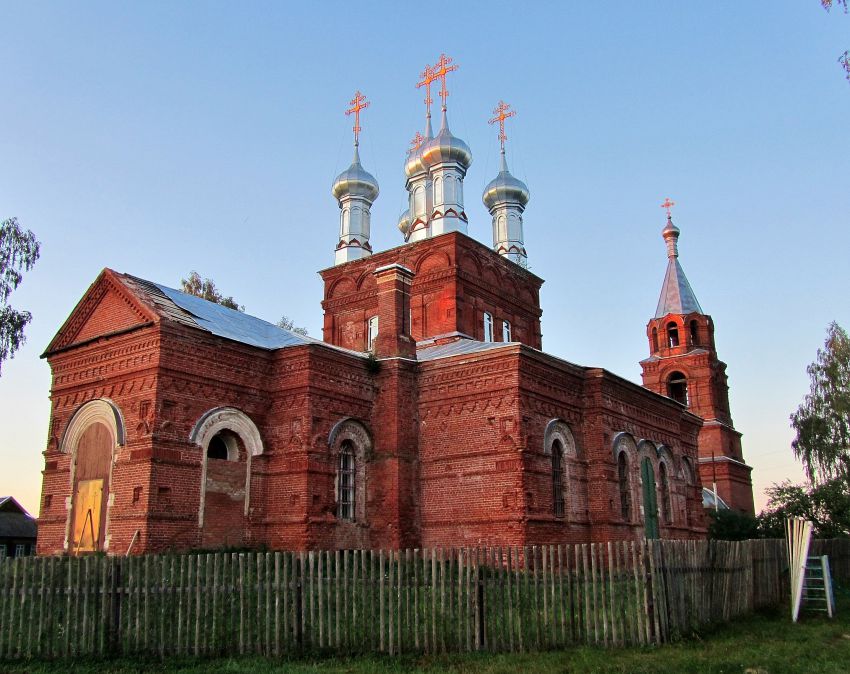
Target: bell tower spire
x=355 y=190
x=684 y=366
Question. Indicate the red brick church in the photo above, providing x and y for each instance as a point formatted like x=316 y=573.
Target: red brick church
x=428 y=415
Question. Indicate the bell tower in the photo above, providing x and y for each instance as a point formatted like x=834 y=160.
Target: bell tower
x=683 y=365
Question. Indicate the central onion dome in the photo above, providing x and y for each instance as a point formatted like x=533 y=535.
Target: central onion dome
x=445 y=148
x=504 y=188
x=355 y=181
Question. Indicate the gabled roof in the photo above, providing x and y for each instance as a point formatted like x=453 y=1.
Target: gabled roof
x=677 y=297
x=15 y=521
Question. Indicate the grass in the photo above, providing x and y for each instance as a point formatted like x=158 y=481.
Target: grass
x=766 y=643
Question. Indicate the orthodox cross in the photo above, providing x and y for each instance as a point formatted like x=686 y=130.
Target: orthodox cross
x=502 y=111
x=357 y=104
x=441 y=69
x=427 y=76
x=668 y=205
x=416 y=143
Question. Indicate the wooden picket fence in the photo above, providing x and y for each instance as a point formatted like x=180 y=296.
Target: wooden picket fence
x=434 y=600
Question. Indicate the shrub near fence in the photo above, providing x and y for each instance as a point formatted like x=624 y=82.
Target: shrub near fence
x=436 y=600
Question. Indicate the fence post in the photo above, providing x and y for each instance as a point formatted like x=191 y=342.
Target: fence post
x=115 y=589
x=479 y=603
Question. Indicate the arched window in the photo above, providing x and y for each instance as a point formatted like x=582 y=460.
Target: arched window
x=506 y=331
x=350 y=448
x=488 y=326
x=654 y=340
x=371 y=333
x=677 y=387
x=625 y=493
x=672 y=334
x=558 y=478
x=345 y=225
x=666 y=509
x=418 y=202
x=501 y=229
x=346 y=480
x=694 y=332
x=438 y=191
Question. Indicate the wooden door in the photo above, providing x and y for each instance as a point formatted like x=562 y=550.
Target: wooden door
x=650 y=501
x=87 y=515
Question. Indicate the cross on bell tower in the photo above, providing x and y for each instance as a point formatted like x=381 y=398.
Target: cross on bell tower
x=441 y=69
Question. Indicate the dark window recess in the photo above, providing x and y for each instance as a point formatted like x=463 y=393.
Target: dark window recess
x=217 y=448
x=625 y=494
x=558 y=478
x=677 y=387
x=694 y=332
x=672 y=334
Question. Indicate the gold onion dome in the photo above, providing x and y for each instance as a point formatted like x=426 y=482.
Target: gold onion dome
x=355 y=181
x=504 y=188
x=445 y=148
x=413 y=166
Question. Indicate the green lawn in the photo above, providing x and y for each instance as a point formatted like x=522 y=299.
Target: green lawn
x=765 y=643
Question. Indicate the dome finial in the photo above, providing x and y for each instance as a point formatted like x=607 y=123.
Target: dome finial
x=441 y=69
x=428 y=77
x=670 y=231
x=357 y=104
x=502 y=111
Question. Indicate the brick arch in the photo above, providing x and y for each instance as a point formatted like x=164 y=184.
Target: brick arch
x=469 y=263
x=366 y=280
x=208 y=426
x=98 y=427
x=343 y=286
x=100 y=410
x=624 y=442
x=558 y=429
x=353 y=434
x=432 y=261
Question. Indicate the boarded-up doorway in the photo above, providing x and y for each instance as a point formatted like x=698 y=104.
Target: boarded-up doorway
x=91 y=488
x=224 y=492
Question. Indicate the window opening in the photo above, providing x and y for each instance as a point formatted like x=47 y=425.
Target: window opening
x=666 y=510
x=372 y=333
x=20 y=550
x=677 y=388
x=694 y=333
x=672 y=334
x=558 y=478
x=217 y=449
x=345 y=507
x=506 y=331
x=488 y=327
x=654 y=340
x=625 y=495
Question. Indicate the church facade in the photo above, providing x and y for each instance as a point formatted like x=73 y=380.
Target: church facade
x=428 y=415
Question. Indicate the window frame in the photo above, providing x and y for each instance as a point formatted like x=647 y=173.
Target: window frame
x=488 y=327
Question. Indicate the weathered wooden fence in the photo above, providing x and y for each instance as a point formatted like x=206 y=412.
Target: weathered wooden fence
x=436 y=600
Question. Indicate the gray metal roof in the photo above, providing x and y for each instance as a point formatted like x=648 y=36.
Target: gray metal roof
x=459 y=348
x=709 y=499
x=677 y=297
x=221 y=321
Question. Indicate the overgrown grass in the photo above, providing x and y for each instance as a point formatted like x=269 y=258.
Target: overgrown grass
x=766 y=643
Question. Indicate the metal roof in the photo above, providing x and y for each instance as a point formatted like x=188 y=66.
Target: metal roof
x=677 y=297
x=709 y=498
x=15 y=521
x=220 y=321
x=459 y=348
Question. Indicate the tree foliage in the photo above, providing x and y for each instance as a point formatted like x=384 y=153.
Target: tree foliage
x=731 y=525
x=844 y=59
x=19 y=250
x=826 y=505
x=205 y=289
x=287 y=323
x=822 y=422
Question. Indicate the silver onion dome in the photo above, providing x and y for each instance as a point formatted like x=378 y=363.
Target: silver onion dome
x=445 y=147
x=505 y=188
x=355 y=181
x=404 y=222
x=413 y=165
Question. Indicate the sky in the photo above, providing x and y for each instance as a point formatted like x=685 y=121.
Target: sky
x=158 y=138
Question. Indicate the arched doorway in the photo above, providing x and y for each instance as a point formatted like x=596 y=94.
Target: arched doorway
x=650 y=502
x=91 y=488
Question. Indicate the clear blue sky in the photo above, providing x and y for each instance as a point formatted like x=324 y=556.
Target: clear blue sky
x=156 y=138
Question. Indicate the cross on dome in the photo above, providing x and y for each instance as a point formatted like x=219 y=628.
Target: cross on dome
x=668 y=205
x=416 y=142
x=441 y=69
x=428 y=77
x=502 y=111
x=357 y=104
